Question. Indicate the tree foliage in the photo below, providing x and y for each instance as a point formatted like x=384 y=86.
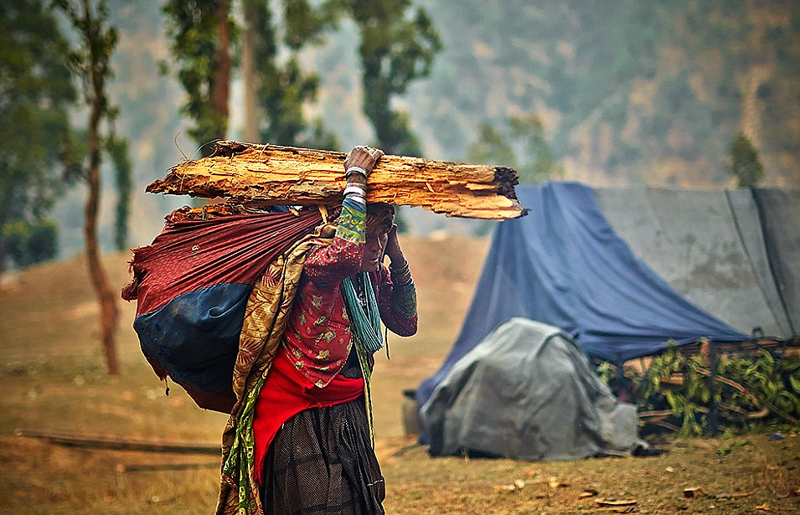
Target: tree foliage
x=744 y=163
x=284 y=88
x=201 y=47
x=520 y=145
x=36 y=91
x=630 y=88
x=200 y=44
x=119 y=154
x=28 y=243
x=749 y=390
x=396 y=48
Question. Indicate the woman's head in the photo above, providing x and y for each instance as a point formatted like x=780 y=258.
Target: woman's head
x=380 y=220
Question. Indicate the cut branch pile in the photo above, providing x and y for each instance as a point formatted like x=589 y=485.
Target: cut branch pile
x=275 y=175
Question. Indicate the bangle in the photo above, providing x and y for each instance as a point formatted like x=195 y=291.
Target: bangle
x=404 y=280
x=399 y=268
x=355 y=169
x=356 y=189
x=358 y=198
x=401 y=275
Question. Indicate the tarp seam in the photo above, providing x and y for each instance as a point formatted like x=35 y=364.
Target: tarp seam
x=771 y=259
x=746 y=248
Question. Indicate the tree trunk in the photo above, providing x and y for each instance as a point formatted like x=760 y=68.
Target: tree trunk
x=250 y=130
x=2 y=254
x=108 y=307
x=220 y=86
x=275 y=175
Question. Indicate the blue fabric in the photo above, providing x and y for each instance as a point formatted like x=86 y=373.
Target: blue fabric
x=563 y=265
x=195 y=336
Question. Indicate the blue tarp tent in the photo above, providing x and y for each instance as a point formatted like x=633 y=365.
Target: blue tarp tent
x=564 y=265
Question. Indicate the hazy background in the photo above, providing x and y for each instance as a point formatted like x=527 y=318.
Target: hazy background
x=630 y=92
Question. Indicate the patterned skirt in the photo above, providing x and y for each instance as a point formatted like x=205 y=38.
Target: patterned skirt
x=321 y=462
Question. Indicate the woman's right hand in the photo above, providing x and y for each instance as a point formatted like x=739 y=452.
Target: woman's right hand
x=363 y=157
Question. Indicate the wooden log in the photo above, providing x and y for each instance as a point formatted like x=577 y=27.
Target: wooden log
x=274 y=175
x=121 y=444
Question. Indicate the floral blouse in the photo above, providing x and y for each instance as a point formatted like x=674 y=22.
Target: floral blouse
x=318 y=337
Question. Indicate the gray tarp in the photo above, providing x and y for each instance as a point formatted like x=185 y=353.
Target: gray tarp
x=710 y=246
x=527 y=391
x=779 y=210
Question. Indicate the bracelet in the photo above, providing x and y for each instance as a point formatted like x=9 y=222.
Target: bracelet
x=358 y=198
x=405 y=280
x=401 y=275
x=354 y=188
x=401 y=268
x=355 y=169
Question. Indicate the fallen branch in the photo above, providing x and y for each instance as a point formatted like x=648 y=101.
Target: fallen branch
x=742 y=389
x=275 y=175
x=121 y=444
x=156 y=467
x=666 y=425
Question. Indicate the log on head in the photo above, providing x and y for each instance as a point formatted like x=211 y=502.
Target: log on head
x=275 y=175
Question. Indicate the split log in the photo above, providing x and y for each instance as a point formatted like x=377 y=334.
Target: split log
x=275 y=175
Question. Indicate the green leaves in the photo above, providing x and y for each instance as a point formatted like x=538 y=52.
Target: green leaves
x=396 y=48
x=30 y=243
x=36 y=92
x=743 y=386
x=520 y=145
x=744 y=165
x=120 y=156
x=795 y=382
x=197 y=45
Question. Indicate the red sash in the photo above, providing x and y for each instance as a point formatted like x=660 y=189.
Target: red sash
x=285 y=394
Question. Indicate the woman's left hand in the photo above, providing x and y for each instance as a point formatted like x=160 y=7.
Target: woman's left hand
x=393 y=249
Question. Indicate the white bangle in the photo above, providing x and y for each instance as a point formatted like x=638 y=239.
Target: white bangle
x=356 y=169
x=358 y=198
x=355 y=188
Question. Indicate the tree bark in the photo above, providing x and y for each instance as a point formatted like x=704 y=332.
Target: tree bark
x=249 y=77
x=275 y=175
x=220 y=85
x=108 y=307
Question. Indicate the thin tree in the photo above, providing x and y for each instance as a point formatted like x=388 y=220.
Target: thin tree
x=744 y=164
x=283 y=87
x=202 y=32
x=91 y=62
x=205 y=36
x=396 y=48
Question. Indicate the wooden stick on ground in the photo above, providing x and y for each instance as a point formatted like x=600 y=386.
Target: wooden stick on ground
x=276 y=175
x=121 y=444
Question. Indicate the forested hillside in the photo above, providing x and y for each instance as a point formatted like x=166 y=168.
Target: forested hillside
x=630 y=91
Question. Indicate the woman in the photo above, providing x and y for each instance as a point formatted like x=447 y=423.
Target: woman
x=312 y=425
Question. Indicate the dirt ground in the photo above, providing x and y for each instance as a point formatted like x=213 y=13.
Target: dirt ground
x=53 y=381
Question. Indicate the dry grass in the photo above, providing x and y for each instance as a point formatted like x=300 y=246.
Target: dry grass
x=52 y=379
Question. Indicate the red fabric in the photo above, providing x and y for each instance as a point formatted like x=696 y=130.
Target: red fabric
x=318 y=333
x=192 y=254
x=284 y=396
